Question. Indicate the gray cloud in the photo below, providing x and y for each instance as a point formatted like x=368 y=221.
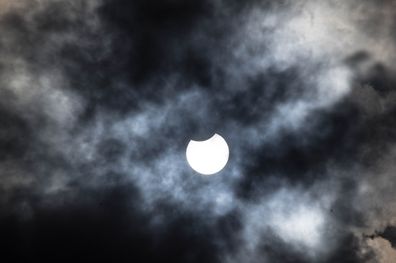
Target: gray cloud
x=100 y=98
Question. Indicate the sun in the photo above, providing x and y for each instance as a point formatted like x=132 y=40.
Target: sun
x=209 y=156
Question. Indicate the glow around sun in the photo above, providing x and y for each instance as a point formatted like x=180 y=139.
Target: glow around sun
x=208 y=157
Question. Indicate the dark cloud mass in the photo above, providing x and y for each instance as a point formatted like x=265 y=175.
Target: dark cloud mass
x=99 y=99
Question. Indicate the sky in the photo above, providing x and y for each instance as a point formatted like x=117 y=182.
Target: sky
x=99 y=99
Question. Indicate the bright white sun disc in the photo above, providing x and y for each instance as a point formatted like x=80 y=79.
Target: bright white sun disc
x=208 y=157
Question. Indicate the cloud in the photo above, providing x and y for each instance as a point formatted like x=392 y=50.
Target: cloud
x=100 y=98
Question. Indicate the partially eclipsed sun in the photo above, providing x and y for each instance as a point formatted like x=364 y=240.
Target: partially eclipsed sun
x=208 y=157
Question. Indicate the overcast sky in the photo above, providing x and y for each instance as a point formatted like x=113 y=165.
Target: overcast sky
x=99 y=99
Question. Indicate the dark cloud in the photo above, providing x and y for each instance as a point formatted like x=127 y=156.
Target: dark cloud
x=390 y=234
x=15 y=138
x=158 y=32
x=106 y=225
x=100 y=98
